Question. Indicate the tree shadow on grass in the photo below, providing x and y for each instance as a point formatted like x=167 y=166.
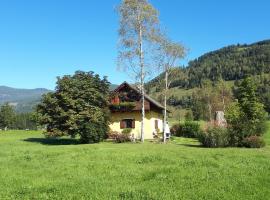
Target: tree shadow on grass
x=192 y=145
x=53 y=141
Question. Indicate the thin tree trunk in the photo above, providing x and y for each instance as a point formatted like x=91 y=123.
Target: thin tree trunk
x=223 y=101
x=142 y=82
x=165 y=106
x=210 y=112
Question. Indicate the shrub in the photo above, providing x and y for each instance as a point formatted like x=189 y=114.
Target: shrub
x=247 y=116
x=176 y=130
x=189 y=115
x=92 y=133
x=189 y=129
x=254 y=142
x=122 y=138
x=214 y=136
x=127 y=130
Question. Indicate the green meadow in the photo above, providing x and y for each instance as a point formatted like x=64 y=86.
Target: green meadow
x=32 y=167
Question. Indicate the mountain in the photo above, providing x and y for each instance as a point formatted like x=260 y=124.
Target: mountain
x=23 y=99
x=233 y=62
x=113 y=87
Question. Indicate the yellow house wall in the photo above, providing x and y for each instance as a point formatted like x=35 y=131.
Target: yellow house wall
x=149 y=122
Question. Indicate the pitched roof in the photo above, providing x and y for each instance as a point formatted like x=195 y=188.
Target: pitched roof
x=147 y=97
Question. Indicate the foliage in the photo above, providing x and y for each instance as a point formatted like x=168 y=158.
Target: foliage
x=254 y=142
x=139 y=32
x=79 y=106
x=187 y=129
x=122 y=107
x=25 y=121
x=122 y=138
x=214 y=136
x=246 y=117
x=230 y=65
x=233 y=62
x=190 y=129
x=209 y=99
x=126 y=130
x=7 y=116
x=189 y=115
x=176 y=130
x=170 y=53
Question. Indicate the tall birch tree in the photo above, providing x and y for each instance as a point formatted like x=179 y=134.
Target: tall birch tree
x=138 y=33
x=170 y=55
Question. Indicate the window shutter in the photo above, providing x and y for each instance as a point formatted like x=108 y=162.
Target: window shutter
x=133 y=123
x=122 y=124
x=156 y=124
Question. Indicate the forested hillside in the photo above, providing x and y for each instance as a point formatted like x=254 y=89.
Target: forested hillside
x=220 y=68
x=229 y=63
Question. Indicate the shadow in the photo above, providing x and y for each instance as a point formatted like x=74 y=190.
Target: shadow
x=193 y=145
x=53 y=141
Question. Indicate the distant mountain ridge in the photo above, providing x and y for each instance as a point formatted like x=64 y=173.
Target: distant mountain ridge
x=23 y=100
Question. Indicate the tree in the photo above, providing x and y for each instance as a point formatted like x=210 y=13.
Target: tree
x=79 y=106
x=247 y=116
x=139 y=30
x=170 y=53
x=7 y=116
x=25 y=121
x=224 y=93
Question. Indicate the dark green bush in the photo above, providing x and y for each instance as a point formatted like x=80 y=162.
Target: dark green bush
x=254 y=142
x=92 y=133
x=176 y=130
x=187 y=129
x=214 y=136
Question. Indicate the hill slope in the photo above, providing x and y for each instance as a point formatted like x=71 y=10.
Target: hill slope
x=229 y=63
x=23 y=99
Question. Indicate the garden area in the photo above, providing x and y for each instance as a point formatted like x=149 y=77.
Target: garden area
x=34 y=167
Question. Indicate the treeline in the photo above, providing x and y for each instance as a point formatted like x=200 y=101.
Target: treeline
x=234 y=62
x=211 y=97
x=9 y=119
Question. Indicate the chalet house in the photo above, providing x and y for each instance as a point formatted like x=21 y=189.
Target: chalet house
x=126 y=112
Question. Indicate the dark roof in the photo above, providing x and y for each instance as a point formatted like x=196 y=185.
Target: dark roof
x=153 y=101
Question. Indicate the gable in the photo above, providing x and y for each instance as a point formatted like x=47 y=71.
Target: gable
x=128 y=93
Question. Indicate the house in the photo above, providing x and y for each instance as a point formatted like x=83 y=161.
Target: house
x=126 y=112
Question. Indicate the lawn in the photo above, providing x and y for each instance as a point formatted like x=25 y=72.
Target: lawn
x=32 y=167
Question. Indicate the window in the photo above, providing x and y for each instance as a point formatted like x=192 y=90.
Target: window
x=127 y=123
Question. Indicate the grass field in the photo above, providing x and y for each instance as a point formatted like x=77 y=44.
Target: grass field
x=32 y=167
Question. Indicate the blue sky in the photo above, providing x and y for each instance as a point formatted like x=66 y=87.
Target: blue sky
x=40 y=40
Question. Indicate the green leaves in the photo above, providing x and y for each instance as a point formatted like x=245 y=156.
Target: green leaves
x=247 y=116
x=7 y=116
x=78 y=106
